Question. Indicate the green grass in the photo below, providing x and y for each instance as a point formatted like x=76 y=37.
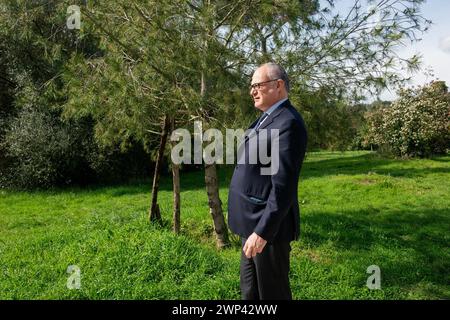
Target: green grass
x=357 y=210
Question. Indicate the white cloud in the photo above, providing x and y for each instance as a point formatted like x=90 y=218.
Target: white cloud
x=444 y=44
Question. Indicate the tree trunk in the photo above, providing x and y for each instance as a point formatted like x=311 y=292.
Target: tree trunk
x=155 y=214
x=176 y=198
x=264 y=46
x=215 y=205
x=212 y=189
x=176 y=190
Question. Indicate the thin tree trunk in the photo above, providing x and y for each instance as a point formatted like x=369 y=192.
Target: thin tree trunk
x=212 y=189
x=176 y=198
x=203 y=85
x=176 y=190
x=264 y=46
x=215 y=205
x=155 y=214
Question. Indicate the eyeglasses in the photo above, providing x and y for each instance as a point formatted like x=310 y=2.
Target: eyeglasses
x=258 y=85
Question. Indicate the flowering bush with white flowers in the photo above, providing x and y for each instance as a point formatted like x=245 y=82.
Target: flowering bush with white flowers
x=417 y=124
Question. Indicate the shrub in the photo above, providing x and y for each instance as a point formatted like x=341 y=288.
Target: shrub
x=44 y=151
x=417 y=124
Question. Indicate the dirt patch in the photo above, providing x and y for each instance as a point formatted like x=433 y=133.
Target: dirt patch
x=367 y=181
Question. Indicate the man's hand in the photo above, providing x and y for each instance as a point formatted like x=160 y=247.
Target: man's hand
x=254 y=245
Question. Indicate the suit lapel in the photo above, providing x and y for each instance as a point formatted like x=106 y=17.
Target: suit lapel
x=274 y=114
x=253 y=124
x=266 y=122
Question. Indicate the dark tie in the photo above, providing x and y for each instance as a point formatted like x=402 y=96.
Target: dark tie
x=261 y=119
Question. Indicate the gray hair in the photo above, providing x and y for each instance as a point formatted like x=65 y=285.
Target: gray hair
x=275 y=71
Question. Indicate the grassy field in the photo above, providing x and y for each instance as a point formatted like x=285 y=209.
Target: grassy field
x=357 y=210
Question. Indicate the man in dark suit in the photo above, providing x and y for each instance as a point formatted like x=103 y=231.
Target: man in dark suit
x=263 y=208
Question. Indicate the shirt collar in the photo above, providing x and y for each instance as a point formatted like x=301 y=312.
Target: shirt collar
x=275 y=106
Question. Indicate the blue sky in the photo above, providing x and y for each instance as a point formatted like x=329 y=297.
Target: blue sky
x=434 y=47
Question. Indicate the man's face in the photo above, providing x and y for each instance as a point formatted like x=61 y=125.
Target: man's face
x=268 y=92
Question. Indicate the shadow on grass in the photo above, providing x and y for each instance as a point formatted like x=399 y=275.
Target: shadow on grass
x=355 y=165
x=194 y=180
x=363 y=164
x=419 y=236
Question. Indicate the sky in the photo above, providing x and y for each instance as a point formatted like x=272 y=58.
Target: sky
x=434 y=47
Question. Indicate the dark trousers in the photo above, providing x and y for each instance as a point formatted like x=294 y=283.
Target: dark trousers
x=266 y=276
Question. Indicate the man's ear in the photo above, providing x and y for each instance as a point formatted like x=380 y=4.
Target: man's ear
x=278 y=83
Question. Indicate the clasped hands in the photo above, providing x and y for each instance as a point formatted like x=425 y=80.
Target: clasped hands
x=254 y=245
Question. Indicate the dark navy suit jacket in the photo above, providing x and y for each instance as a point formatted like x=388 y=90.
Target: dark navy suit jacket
x=268 y=204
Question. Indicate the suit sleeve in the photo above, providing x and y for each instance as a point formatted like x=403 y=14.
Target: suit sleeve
x=292 y=145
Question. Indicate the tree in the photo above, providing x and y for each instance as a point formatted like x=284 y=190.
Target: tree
x=179 y=58
x=179 y=77
x=348 y=50
x=416 y=124
x=33 y=49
